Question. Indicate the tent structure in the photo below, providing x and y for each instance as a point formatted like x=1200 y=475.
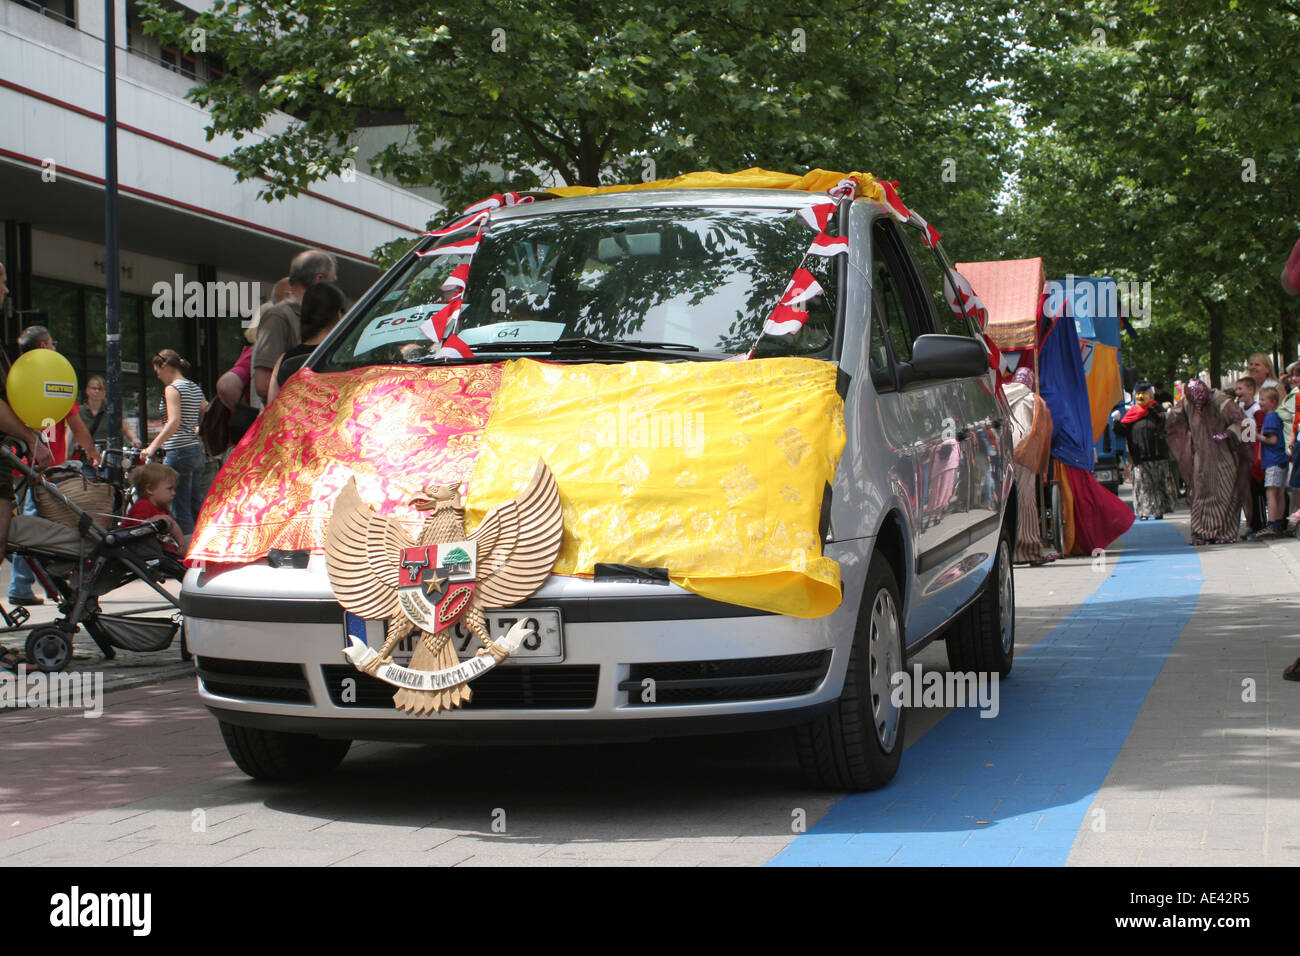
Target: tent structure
x=1012 y=292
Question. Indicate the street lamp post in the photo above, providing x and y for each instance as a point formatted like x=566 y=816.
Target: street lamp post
x=112 y=291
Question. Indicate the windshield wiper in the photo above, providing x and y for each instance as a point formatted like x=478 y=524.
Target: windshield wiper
x=663 y=349
x=568 y=345
x=630 y=344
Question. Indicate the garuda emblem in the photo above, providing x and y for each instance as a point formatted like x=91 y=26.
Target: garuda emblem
x=379 y=573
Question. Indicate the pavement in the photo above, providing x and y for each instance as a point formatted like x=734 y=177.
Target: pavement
x=127 y=668
x=1145 y=723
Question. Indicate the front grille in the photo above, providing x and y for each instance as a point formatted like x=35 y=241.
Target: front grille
x=749 y=678
x=540 y=687
x=254 y=680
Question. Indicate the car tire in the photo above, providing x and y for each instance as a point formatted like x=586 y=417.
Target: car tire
x=858 y=743
x=983 y=639
x=279 y=756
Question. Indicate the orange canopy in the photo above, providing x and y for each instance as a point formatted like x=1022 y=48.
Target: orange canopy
x=1011 y=290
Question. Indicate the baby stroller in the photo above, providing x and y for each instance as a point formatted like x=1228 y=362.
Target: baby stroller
x=82 y=557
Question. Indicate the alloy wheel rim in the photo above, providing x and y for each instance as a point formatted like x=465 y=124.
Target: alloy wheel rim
x=884 y=660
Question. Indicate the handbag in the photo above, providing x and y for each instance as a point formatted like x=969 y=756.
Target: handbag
x=221 y=427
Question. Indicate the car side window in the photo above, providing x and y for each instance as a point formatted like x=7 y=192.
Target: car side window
x=930 y=276
x=887 y=295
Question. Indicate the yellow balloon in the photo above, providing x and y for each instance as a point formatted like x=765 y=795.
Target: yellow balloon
x=41 y=387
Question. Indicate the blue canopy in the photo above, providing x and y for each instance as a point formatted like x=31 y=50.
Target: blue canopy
x=1065 y=390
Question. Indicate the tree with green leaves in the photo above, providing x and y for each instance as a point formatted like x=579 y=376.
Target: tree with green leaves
x=1161 y=145
x=567 y=93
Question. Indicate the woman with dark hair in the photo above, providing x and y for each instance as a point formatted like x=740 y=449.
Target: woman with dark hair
x=323 y=306
x=183 y=403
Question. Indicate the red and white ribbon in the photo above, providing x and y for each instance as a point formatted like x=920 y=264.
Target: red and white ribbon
x=817 y=216
x=844 y=189
x=460 y=225
x=825 y=245
x=786 y=318
x=895 y=205
x=929 y=235
x=496 y=201
x=435 y=327
x=453 y=347
x=461 y=247
x=458 y=278
x=963 y=299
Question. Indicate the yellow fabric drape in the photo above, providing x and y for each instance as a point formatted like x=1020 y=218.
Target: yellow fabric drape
x=1104 y=387
x=817 y=180
x=1067 y=508
x=713 y=470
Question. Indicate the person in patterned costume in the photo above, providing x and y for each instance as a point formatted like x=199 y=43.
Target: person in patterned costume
x=1207 y=441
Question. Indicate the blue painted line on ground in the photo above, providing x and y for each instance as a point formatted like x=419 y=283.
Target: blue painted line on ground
x=1013 y=790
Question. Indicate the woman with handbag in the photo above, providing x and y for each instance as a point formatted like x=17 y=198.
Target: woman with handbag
x=183 y=403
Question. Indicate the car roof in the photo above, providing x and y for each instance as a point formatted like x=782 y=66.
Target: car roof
x=666 y=198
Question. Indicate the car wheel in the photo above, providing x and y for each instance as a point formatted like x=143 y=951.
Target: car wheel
x=858 y=743
x=274 y=755
x=983 y=639
x=48 y=649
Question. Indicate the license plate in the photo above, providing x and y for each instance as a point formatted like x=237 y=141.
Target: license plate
x=1105 y=476
x=545 y=646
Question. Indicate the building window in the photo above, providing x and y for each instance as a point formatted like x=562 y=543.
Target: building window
x=180 y=62
x=65 y=11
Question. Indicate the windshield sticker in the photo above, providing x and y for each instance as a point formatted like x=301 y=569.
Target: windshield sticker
x=401 y=326
x=526 y=330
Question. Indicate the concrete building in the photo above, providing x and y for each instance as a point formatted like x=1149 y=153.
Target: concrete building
x=182 y=212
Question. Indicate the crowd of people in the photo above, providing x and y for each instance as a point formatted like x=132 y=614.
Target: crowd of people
x=171 y=469
x=1235 y=452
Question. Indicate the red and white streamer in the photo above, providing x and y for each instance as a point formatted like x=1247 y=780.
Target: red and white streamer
x=825 y=245
x=963 y=299
x=460 y=225
x=461 y=247
x=435 y=327
x=787 y=318
x=929 y=235
x=497 y=201
x=844 y=189
x=458 y=278
x=453 y=347
x=893 y=203
x=817 y=216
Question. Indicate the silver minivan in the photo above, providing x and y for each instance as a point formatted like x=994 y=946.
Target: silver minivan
x=921 y=515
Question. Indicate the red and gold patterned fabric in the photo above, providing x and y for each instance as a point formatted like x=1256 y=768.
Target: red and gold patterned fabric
x=714 y=470
x=395 y=428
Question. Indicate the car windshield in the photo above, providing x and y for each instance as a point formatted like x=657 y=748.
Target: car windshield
x=665 y=283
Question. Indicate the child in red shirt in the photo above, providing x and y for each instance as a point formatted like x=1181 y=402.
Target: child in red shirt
x=155 y=487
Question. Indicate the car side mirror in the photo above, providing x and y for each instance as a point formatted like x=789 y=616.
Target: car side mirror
x=948 y=356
